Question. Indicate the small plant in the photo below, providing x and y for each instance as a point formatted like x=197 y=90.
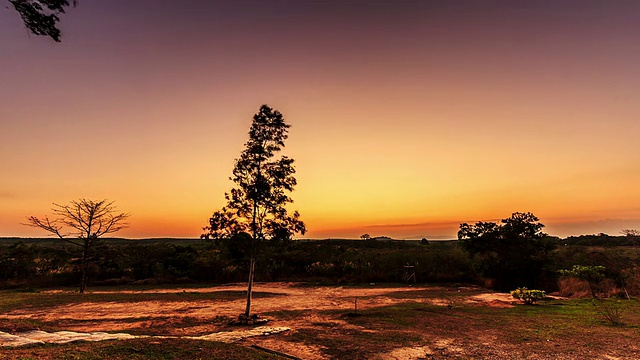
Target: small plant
x=610 y=310
x=528 y=297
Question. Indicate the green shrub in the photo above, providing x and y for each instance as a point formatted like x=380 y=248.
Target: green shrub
x=529 y=297
x=610 y=310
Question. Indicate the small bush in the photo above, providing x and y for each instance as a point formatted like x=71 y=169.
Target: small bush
x=610 y=310
x=528 y=297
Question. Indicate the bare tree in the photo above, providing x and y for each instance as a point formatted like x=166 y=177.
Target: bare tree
x=81 y=223
x=630 y=232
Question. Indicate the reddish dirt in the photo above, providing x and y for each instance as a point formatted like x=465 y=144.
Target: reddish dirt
x=212 y=316
x=307 y=309
x=117 y=316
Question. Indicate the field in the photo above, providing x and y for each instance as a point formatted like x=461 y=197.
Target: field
x=390 y=322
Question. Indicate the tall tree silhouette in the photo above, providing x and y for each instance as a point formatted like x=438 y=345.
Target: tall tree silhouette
x=257 y=203
x=41 y=17
x=82 y=223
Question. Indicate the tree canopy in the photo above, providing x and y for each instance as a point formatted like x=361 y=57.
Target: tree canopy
x=41 y=17
x=257 y=204
x=512 y=253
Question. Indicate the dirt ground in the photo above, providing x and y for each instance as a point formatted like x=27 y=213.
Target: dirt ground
x=108 y=316
x=303 y=309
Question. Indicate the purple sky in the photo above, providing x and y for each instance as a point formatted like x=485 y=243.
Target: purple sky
x=408 y=117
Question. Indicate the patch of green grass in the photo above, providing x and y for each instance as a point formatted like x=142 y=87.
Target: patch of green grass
x=437 y=292
x=168 y=325
x=515 y=326
x=138 y=349
x=354 y=343
x=147 y=287
x=21 y=325
x=13 y=300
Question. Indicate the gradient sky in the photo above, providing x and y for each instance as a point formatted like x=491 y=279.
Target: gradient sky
x=407 y=117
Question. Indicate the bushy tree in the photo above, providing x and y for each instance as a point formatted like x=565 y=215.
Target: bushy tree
x=257 y=204
x=513 y=253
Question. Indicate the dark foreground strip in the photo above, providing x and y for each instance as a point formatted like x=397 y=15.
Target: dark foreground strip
x=276 y=352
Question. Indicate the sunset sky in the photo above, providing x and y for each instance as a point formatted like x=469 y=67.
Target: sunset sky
x=408 y=117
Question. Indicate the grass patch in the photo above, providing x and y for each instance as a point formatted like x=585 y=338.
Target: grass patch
x=573 y=324
x=441 y=292
x=137 y=349
x=353 y=343
x=14 y=300
x=22 y=325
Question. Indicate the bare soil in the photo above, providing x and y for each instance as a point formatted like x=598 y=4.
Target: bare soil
x=374 y=321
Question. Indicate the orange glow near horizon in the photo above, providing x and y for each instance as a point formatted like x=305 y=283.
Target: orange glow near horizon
x=402 y=125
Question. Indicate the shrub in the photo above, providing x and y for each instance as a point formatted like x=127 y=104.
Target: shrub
x=592 y=274
x=528 y=297
x=610 y=310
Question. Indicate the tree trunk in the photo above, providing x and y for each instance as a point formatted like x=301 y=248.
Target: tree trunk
x=252 y=271
x=593 y=290
x=252 y=262
x=83 y=270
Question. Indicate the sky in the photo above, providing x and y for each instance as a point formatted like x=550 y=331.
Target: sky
x=408 y=117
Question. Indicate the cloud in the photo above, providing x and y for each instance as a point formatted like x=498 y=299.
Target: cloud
x=5 y=195
x=432 y=224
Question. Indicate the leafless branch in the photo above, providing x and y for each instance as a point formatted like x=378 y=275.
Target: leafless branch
x=84 y=218
x=87 y=221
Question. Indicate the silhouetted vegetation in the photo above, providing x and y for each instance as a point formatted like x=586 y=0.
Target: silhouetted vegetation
x=45 y=263
x=602 y=240
x=256 y=207
x=511 y=254
x=327 y=261
x=42 y=17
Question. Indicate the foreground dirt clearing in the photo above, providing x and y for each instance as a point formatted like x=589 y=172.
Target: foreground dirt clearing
x=391 y=322
x=115 y=316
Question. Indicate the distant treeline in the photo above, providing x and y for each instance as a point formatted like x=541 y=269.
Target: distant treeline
x=601 y=240
x=48 y=263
